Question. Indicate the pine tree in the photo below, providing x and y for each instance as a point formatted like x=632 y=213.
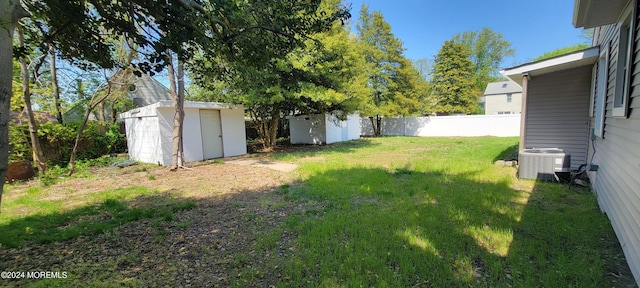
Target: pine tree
x=452 y=83
x=394 y=83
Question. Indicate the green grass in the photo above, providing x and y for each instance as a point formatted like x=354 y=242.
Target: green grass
x=404 y=212
x=382 y=212
x=101 y=212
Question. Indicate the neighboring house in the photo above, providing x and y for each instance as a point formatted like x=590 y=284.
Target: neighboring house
x=588 y=103
x=210 y=130
x=143 y=91
x=504 y=97
x=323 y=128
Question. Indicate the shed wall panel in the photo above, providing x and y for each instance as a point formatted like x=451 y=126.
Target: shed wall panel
x=308 y=129
x=165 y=123
x=143 y=139
x=333 y=128
x=192 y=135
x=235 y=138
x=353 y=126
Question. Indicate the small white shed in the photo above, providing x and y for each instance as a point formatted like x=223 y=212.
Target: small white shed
x=323 y=128
x=211 y=130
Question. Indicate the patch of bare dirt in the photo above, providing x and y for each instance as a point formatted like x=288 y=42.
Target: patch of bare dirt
x=213 y=244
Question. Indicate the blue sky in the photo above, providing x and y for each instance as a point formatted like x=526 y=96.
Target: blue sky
x=532 y=27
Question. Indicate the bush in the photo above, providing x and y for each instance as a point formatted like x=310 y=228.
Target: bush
x=19 y=143
x=57 y=140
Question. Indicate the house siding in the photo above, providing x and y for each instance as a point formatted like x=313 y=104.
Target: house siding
x=498 y=103
x=560 y=124
x=148 y=91
x=617 y=154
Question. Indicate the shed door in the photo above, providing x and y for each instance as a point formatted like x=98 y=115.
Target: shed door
x=211 y=133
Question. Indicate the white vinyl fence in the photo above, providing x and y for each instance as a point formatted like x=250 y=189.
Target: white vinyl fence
x=469 y=125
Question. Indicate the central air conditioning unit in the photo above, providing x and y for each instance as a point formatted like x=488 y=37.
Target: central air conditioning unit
x=543 y=163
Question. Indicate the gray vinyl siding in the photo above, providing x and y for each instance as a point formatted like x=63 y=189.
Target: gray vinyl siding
x=560 y=123
x=617 y=154
x=149 y=91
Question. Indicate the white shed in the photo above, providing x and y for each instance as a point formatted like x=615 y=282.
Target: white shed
x=211 y=130
x=323 y=128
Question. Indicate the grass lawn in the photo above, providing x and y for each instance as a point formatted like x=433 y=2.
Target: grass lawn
x=387 y=212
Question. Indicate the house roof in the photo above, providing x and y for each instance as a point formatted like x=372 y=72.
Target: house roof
x=502 y=87
x=146 y=90
x=563 y=62
x=593 y=13
x=143 y=90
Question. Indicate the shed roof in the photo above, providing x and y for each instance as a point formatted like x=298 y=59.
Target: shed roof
x=502 y=87
x=151 y=110
x=563 y=62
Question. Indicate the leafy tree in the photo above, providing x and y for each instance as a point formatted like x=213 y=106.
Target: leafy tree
x=394 y=84
x=452 y=84
x=561 y=51
x=488 y=49
x=237 y=30
x=98 y=96
x=423 y=66
x=324 y=75
x=17 y=102
x=38 y=156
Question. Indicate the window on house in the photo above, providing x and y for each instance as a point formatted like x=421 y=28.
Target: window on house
x=508 y=98
x=623 y=69
x=600 y=92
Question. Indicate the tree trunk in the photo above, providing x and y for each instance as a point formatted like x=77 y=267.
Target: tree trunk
x=93 y=102
x=266 y=123
x=72 y=158
x=373 y=125
x=180 y=81
x=273 y=130
x=177 y=157
x=10 y=13
x=100 y=112
x=54 y=83
x=376 y=124
x=38 y=156
x=114 y=114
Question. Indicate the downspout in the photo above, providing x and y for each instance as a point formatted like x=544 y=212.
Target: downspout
x=523 y=111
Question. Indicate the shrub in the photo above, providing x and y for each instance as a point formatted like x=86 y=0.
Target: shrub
x=57 y=140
